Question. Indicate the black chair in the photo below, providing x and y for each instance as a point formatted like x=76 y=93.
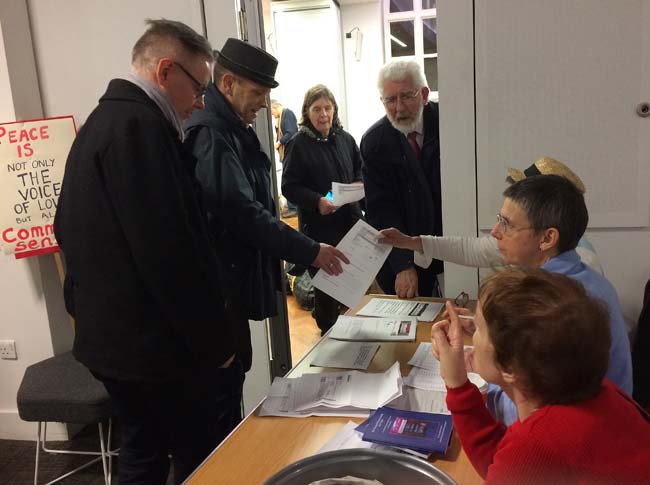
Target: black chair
x=60 y=389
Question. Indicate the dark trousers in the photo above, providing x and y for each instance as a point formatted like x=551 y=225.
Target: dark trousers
x=326 y=310
x=185 y=417
x=427 y=281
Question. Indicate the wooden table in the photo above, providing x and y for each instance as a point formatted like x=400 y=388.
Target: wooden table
x=260 y=446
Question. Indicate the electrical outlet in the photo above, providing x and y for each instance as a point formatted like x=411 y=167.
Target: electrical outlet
x=8 y=350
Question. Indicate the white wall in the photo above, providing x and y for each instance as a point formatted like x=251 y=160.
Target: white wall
x=622 y=251
x=457 y=156
x=364 y=107
x=81 y=44
x=31 y=308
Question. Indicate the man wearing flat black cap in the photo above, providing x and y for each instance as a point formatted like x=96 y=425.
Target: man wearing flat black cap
x=235 y=175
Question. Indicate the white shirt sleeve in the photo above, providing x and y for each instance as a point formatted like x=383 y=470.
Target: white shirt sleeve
x=478 y=252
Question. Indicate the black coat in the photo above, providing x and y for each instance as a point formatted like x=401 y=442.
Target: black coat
x=141 y=276
x=310 y=166
x=402 y=191
x=250 y=239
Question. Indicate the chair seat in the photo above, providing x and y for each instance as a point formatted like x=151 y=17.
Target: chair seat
x=61 y=389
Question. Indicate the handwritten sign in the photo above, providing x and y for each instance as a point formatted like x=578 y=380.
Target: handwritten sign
x=32 y=162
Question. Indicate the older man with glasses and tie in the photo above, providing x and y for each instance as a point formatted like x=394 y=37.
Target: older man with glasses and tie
x=401 y=175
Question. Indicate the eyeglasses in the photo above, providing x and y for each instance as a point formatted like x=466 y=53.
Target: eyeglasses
x=504 y=227
x=461 y=300
x=404 y=98
x=199 y=89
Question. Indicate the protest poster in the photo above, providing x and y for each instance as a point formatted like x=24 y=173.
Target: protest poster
x=32 y=162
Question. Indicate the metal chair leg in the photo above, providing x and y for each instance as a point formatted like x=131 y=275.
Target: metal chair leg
x=102 y=447
x=103 y=454
x=38 y=448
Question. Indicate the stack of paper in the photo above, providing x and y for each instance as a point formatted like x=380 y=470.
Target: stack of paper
x=424 y=400
x=374 y=329
x=344 y=355
x=424 y=311
x=425 y=373
x=424 y=433
x=350 y=393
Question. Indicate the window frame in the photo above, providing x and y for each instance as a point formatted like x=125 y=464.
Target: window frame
x=417 y=15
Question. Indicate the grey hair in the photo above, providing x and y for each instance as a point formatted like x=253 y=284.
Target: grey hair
x=400 y=70
x=168 y=38
x=275 y=103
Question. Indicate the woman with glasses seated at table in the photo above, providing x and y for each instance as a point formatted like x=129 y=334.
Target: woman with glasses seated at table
x=539 y=225
x=320 y=153
x=545 y=342
x=483 y=252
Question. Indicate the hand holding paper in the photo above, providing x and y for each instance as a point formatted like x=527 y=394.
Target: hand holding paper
x=346 y=193
x=329 y=259
x=366 y=257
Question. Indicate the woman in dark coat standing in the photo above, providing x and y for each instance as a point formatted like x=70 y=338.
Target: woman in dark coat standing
x=319 y=154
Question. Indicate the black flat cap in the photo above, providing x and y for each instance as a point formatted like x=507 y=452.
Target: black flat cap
x=248 y=61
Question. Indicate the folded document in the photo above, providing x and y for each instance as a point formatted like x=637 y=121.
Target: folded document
x=351 y=393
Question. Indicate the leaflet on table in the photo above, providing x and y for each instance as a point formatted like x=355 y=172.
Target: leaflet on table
x=281 y=402
x=346 y=193
x=366 y=256
x=374 y=329
x=349 y=438
x=425 y=373
x=350 y=393
x=423 y=400
x=424 y=311
x=344 y=355
x=422 y=432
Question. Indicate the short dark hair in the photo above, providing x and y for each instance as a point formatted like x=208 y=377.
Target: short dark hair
x=547 y=331
x=166 y=38
x=312 y=95
x=552 y=201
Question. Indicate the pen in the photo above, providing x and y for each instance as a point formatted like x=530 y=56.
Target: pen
x=466 y=317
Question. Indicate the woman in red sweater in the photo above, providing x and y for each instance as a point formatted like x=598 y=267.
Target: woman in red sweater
x=545 y=342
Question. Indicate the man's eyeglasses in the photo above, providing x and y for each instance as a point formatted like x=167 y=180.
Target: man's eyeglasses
x=405 y=98
x=504 y=227
x=199 y=89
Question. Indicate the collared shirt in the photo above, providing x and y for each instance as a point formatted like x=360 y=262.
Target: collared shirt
x=598 y=287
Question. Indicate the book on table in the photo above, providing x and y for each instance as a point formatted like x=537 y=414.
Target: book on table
x=423 y=432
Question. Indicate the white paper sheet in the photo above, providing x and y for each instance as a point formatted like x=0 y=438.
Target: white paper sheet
x=425 y=373
x=346 y=193
x=374 y=329
x=348 y=438
x=344 y=355
x=422 y=400
x=424 y=311
x=351 y=393
x=366 y=257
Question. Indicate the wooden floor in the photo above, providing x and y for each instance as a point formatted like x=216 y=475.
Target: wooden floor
x=303 y=331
